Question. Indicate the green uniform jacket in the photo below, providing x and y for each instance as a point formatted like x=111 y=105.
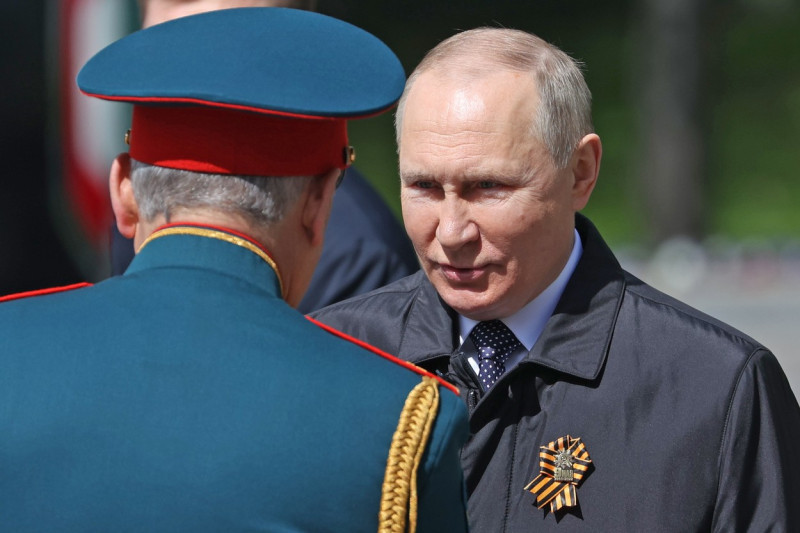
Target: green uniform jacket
x=187 y=395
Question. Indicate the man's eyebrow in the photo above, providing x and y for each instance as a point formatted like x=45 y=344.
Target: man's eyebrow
x=477 y=174
x=409 y=177
x=502 y=177
x=469 y=176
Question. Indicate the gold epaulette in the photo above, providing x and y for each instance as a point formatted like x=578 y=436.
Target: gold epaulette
x=399 y=494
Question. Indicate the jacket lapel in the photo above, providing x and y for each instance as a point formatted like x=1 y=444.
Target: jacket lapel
x=430 y=329
x=577 y=336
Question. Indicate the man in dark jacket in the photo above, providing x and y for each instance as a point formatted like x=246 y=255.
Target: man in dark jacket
x=596 y=402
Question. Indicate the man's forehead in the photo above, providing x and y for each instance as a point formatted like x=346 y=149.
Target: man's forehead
x=468 y=71
x=470 y=157
x=498 y=99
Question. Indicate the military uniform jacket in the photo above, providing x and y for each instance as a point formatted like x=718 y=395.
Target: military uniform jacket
x=689 y=424
x=186 y=395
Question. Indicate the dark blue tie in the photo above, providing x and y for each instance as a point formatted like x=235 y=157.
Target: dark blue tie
x=495 y=342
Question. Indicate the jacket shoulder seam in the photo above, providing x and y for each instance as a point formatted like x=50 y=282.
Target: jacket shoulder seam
x=710 y=321
x=728 y=414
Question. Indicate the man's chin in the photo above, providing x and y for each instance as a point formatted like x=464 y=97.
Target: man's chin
x=470 y=298
x=471 y=305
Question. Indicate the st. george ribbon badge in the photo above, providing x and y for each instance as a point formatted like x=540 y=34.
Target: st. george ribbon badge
x=563 y=463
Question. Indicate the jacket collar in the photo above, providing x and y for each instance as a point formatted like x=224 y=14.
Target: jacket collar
x=576 y=338
x=429 y=321
x=209 y=248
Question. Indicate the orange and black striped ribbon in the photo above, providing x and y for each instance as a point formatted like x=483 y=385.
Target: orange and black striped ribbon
x=559 y=493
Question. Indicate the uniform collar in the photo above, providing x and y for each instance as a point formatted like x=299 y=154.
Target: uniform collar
x=577 y=335
x=208 y=247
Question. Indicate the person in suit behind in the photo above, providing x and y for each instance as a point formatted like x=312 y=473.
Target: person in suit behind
x=188 y=394
x=597 y=403
x=365 y=246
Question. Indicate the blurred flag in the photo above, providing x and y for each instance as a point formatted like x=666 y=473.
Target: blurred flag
x=90 y=131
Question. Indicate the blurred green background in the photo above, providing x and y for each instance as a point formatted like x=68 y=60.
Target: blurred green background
x=748 y=110
x=697 y=103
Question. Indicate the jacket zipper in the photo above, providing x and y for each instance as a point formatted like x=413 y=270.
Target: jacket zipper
x=466 y=376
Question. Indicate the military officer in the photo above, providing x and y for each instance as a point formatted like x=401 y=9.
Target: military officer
x=188 y=394
x=365 y=245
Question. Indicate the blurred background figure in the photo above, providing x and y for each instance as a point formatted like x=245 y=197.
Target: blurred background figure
x=697 y=103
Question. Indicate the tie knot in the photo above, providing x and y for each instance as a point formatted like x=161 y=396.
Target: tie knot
x=493 y=340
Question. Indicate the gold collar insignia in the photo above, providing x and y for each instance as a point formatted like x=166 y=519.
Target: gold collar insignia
x=220 y=235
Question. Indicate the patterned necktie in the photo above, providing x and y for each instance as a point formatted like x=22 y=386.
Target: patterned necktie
x=495 y=343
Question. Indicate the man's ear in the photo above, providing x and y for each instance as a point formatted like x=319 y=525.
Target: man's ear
x=123 y=202
x=585 y=166
x=317 y=202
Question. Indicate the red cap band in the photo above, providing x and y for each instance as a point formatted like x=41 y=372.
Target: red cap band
x=223 y=141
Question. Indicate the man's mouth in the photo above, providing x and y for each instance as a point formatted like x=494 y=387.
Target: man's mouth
x=462 y=274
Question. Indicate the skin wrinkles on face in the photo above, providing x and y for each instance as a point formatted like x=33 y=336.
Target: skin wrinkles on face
x=488 y=213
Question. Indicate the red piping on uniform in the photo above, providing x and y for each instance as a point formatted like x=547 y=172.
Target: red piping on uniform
x=383 y=354
x=240 y=107
x=41 y=292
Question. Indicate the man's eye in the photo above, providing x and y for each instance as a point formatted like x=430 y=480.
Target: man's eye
x=486 y=184
x=424 y=185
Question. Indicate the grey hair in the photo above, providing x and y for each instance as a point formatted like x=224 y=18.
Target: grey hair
x=259 y=200
x=564 y=114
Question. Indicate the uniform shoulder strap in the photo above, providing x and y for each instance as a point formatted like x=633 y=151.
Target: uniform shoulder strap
x=42 y=292
x=398 y=512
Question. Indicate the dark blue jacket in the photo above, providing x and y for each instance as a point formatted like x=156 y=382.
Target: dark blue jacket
x=186 y=395
x=690 y=424
x=365 y=247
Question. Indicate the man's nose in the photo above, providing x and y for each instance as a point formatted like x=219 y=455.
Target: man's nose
x=456 y=227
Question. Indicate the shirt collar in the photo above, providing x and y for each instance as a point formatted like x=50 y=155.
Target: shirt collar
x=527 y=323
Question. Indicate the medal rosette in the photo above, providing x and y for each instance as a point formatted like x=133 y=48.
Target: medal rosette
x=563 y=464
